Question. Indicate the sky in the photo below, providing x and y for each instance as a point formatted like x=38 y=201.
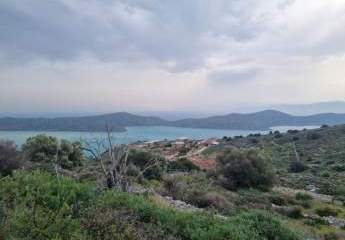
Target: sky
x=173 y=55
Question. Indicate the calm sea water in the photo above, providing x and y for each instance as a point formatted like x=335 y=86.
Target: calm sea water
x=141 y=133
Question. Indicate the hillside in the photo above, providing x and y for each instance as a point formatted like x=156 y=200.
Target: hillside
x=240 y=187
x=119 y=121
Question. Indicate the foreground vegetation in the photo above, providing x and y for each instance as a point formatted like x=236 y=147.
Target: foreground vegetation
x=259 y=187
x=36 y=205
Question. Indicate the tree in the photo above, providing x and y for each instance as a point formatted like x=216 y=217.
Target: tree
x=114 y=162
x=9 y=157
x=49 y=150
x=140 y=159
x=70 y=154
x=244 y=168
x=40 y=148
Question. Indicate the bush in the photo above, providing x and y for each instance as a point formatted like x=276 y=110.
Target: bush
x=9 y=158
x=304 y=199
x=197 y=226
x=326 y=211
x=316 y=222
x=280 y=200
x=313 y=136
x=183 y=151
x=215 y=200
x=70 y=154
x=39 y=206
x=295 y=139
x=294 y=212
x=60 y=208
x=106 y=224
x=46 y=149
x=141 y=159
x=244 y=169
x=189 y=188
x=183 y=165
x=303 y=196
x=297 y=167
x=331 y=236
x=339 y=168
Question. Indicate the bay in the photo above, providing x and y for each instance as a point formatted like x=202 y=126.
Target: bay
x=134 y=134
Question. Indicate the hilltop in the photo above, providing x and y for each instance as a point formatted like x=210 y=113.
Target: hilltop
x=119 y=121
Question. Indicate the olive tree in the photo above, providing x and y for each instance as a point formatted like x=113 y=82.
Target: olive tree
x=244 y=168
x=50 y=150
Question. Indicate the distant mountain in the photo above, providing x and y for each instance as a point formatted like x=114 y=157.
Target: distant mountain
x=261 y=120
x=251 y=121
x=119 y=121
x=313 y=108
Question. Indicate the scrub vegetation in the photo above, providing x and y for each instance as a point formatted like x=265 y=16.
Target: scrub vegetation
x=279 y=186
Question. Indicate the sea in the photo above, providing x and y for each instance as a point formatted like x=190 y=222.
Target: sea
x=152 y=133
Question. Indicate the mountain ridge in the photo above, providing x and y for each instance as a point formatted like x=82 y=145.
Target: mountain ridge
x=261 y=120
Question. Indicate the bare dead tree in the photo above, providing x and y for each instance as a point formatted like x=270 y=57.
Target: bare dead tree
x=113 y=159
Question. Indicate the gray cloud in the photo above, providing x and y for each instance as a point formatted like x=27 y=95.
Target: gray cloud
x=233 y=76
x=174 y=33
x=116 y=51
x=180 y=36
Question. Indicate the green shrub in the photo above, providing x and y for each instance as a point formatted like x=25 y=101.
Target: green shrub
x=303 y=196
x=326 y=211
x=313 y=136
x=278 y=200
x=316 y=222
x=294 y=212
x=331 y=236
x=339 y=168
x=183 y=151
x=141 y=159
x=197 y=226
x=304 y=199
x=238 y=168
x=189 y=188
x=9 y=158
x=297 y=167
x=39 y=206
x=209 y=200
x=108 y=224
x=46 y=149
x=183 y=165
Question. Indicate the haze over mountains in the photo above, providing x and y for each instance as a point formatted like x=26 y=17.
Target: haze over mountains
x=178 y=114
x=119 y=121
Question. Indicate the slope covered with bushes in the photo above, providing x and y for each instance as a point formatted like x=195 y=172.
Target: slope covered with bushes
x=38 y=206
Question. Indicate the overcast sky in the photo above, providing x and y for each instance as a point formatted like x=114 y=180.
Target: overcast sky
x=219 y=55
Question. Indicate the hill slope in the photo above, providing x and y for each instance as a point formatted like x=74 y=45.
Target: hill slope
x=253 y=121
x=261 y=120
x=118 y=121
